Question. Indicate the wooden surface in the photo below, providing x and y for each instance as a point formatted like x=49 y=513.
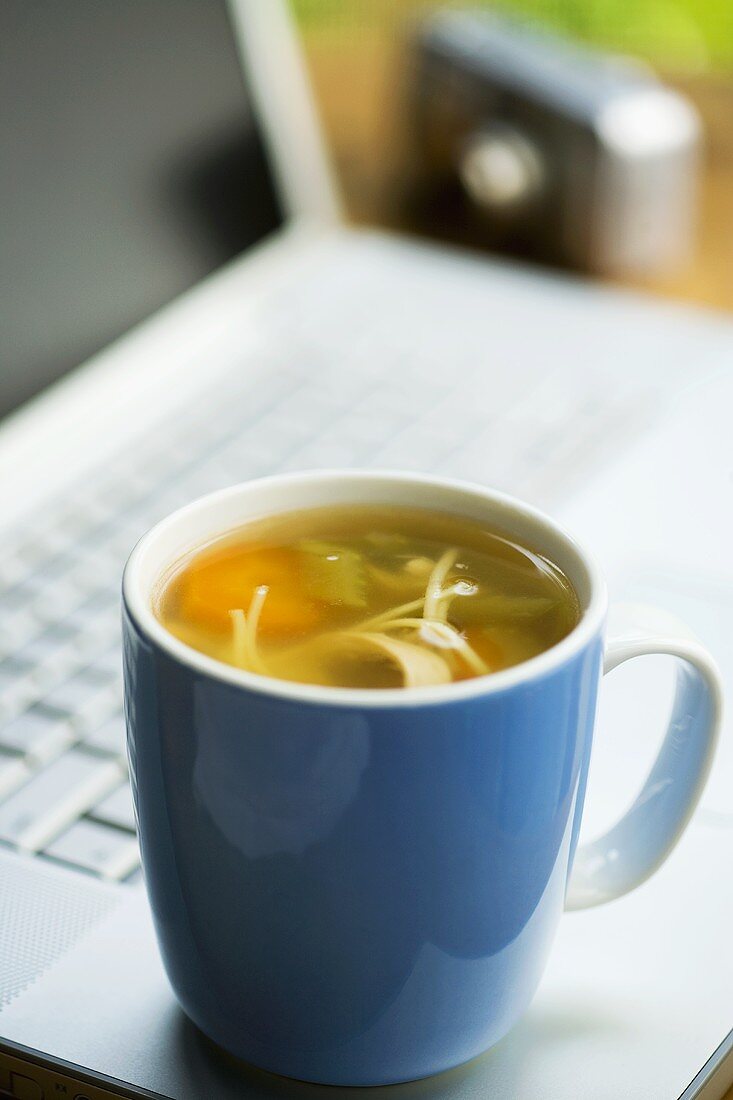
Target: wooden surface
x=359 y=81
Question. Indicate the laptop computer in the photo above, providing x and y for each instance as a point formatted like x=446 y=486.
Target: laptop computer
x=170 y=193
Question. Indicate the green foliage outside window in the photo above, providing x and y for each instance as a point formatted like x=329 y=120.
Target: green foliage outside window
x=683 y=34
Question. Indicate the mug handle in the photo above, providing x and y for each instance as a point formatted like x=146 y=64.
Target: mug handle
x=641 y=840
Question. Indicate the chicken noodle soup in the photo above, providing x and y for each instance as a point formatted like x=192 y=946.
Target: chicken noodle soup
x=367 y=597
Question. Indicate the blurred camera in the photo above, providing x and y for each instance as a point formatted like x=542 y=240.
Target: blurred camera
x=547 y=149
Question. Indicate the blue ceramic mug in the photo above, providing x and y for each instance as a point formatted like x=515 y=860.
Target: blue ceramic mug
x=362 y=887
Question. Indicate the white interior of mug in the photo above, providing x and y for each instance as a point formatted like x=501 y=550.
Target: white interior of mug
x=218 y=513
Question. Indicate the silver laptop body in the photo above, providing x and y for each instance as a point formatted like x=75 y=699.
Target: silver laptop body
x=323 y=346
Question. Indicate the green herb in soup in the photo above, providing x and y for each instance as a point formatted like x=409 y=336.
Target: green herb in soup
x=367 y=597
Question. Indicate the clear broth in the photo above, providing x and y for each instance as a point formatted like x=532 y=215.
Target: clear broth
x=367 y=597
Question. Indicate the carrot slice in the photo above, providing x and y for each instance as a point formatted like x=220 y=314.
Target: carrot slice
x=210 y=589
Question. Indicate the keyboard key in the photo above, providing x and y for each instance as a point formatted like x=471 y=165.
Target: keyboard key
x=441 y=428
x=368 y=431
x=52 y=569
x=55 y=600
x=52 y=648
x=86 y=700
x=97 y=628
x=39 y=548
x=11 y=671
x=116 y=809
x=18 y=627
x=87 y=511
x=18 y=693
x=12 y=570
x=13 y=772
x=55 y=797
x=102 y=607
x=320 y=453
x=115 y=543
x=314 y=407
x=110 y=736
x=39 y=733
x=91 y=643
x=413 y=449
x=123 y=487
x=97 y=848
x=108 y=664
x=18 y=596
x=98 y=572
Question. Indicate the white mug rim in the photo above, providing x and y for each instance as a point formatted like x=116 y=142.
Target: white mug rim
x=137 y=600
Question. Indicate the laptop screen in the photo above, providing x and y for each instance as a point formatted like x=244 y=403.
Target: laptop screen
x=132 y=167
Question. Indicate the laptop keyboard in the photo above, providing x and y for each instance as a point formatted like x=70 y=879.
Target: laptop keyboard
x=358 y=396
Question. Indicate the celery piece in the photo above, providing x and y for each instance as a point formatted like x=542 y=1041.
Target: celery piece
x=333 y=574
